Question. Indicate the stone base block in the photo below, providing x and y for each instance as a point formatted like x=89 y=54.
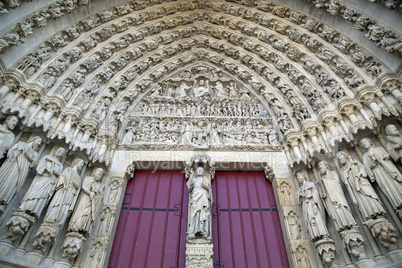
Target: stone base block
x=199 y=255
x=62 y=264
x=5 y=248
x=34 y=257
x=395 y=256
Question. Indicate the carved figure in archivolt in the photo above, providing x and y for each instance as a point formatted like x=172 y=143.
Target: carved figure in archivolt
x=90 y=197
x=43 y=185
x=6 y=135
x=383 y=171
x=65 y=197
x=199 y=187
x=104 y=225
x=313 y=209
x=335 y=199
x=354 y=176
x=394 y=142
x=15 y=169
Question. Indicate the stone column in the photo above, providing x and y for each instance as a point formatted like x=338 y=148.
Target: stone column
x=199 y=172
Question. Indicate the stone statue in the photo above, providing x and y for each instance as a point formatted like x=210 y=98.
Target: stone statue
x=129 y=137
x=187 y=133
x=90 y=197
x=383 y=171
x=61 y=206
x=199 y=188
x=294 y=225
x=335 y=200
x=232 y=90
x=394 y=142
x=15 y=169
x=6 y=135
x=214 y=134
x=67 y=189
x=313 y=209
x=43 y=185
x=302 y=258
x=182 y=90
x=220 y=91
x=201 y=89
x=354 y=176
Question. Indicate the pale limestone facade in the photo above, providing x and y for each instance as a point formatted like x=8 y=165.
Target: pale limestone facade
x=274 y=86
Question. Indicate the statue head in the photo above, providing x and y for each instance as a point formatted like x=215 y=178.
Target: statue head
x=391 y=130
x=322 y=167
x=11 y=122
x=97 y=173
x=36 y=142
x=366 y=143
x=79 y=163
x=201 y=82
x=300 y=177
x=199 y=171
x=59 y=152
x=342 y=157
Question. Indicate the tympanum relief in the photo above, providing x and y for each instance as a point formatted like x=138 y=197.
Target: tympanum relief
x=200 y=107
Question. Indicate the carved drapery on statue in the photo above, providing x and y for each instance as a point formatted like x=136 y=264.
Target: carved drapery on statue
x=61 y=206
x=6 y=135
x=384 y=172
x=199 y=172
x=15 y=169
x=84 y=214
x=38 y=194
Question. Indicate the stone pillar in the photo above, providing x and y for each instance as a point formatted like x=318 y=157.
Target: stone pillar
x=199 y=172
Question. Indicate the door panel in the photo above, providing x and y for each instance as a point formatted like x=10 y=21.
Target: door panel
x=151 y=222
x=247 y=231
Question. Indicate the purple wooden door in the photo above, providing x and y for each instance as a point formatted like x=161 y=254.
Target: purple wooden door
x=153 y=220
x=246 y=227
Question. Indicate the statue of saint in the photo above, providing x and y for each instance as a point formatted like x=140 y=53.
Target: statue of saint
x=201 y=89
x=129 y=137
x=182 y=90
x=335 y=200
x=6 y=135
x=199 y=188
x=90 y=197
x=15 y=169
x=383 y=171
x=187 y=133
x=214 y=134
x=354 y=176
x=313 y=209
x=65 y=197
x=42 y=187
x=233 y=91
x=220 y=91
x=394 y=142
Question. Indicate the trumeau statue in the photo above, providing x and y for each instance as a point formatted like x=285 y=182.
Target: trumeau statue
x=43 y=185
x=199 y=187
x=335 y=200
x=6 y=135
x=14 y=170
x=313 y=209
x=383 y=171
x=354 y=176
x=394 y=142
x=90 y=197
